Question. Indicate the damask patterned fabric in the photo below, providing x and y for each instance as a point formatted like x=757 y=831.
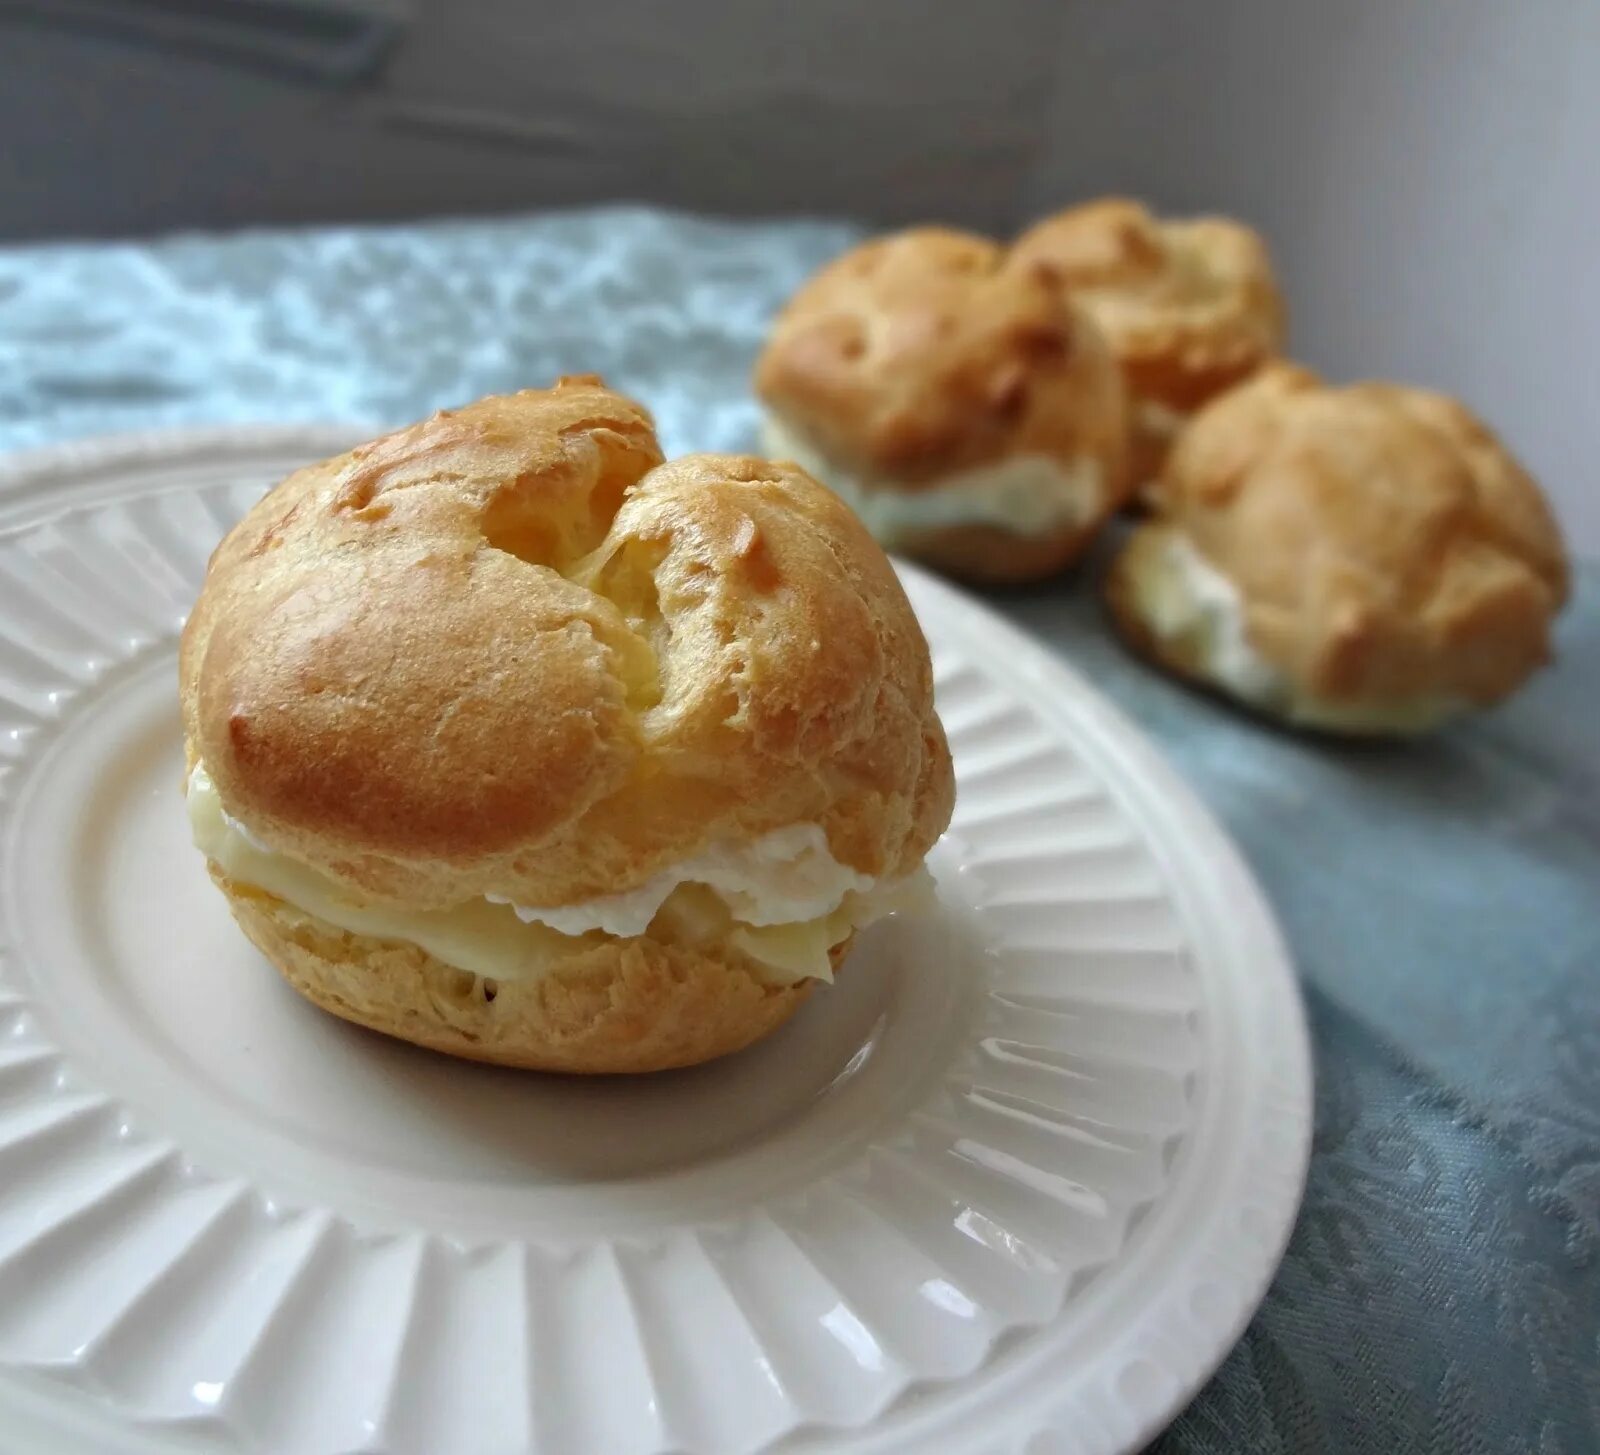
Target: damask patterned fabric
x=1441 y=1293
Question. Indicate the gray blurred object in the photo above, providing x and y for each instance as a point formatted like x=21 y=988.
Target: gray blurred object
x=1425 y=172
x=497 y=105
x=340 y=42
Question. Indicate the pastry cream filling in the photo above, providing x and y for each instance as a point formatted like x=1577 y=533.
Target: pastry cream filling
x=1183 y=596
x=1026 y=495
x=783 y=900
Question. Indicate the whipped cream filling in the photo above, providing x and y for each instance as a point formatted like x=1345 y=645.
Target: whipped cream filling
x=782 y=899
x=1026 y=495
x=1183 y=596
x=782 y=877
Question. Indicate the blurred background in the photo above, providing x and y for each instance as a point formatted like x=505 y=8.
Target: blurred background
x=1425 y=172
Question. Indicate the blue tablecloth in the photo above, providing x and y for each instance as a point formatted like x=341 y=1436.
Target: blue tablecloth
x=1442 y=1290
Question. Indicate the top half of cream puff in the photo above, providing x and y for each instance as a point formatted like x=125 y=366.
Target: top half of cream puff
x=968 y=412
x=510 y=653
x=1189 y=306
x=1367 y=558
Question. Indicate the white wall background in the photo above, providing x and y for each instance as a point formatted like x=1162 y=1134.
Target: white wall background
x=1428 y=172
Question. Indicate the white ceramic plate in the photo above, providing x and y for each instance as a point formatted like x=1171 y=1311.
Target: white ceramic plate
x=1014 y=1184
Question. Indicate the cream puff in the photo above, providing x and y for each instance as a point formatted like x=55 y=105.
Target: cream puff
x=1367 y=559
x=510 y=739
x=1190 y=306
x=970 y=415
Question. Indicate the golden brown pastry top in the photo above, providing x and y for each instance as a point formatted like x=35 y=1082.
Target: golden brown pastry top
x=509 y=651
x=1189 y=306
x=1385 y=543
x=919 y=355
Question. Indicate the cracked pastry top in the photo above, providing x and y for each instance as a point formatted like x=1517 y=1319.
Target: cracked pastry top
x=1359 y=559
x=508 y=737
x=1189 y=306
x=971 y=415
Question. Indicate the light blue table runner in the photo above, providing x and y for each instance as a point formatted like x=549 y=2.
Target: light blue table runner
x=1442 y=1290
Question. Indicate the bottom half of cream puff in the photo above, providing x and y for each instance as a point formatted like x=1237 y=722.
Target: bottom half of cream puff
x=698 y=961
